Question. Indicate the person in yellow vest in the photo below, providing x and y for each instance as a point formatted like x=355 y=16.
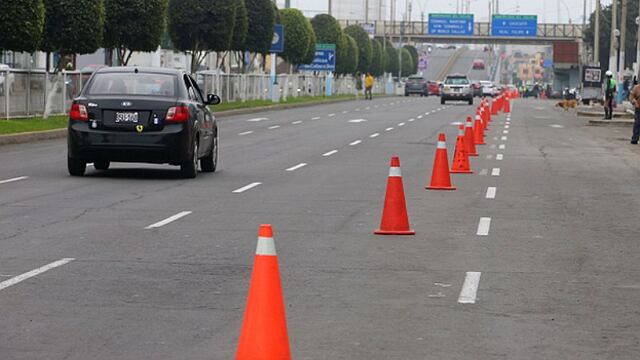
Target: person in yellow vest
x=368 y=87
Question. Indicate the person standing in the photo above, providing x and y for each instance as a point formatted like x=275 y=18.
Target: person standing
x=634 y=96
x=609 y=94
x=368 y=85
x=358 y=84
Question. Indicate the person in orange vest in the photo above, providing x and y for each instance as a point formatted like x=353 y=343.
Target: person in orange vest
x=368 y=86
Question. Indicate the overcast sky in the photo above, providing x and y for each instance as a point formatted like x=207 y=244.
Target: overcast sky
x=547 y=10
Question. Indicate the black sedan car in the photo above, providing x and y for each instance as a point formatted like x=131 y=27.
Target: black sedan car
x=416 y=85
x=149 y=115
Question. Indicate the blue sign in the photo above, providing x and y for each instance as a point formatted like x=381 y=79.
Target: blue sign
x=277 y=44
x=451 y=24
x=325 y=59
x=548 y=63
x=514 y=25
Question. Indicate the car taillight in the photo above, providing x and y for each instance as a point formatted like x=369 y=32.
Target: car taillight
x=177 y=114
x=78 y=113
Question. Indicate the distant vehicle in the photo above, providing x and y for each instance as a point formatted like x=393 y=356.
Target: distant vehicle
x=478 y=64
x=446 y=46
x=456 y=87
x=151 y=115
x=433 y=87
x=488 y=88
x=477 y=89
x=429 y=49
x=6 y=80
x=416 y=84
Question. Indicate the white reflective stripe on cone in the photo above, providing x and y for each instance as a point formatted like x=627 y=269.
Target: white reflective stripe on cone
x=469 y=124
x=395 y=172
x=442 y=145
x=460 y=132
x=266 y=246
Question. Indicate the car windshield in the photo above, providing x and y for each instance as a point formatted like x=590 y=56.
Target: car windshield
x=144 y=84
x=456 y=81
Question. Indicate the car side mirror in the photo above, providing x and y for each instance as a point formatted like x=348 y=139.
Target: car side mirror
x=213 y=99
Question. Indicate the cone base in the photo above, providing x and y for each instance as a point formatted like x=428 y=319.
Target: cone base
x=481 y=143
x=394 y=232
x=476 y=154
x=440 y=188
x=461 y=172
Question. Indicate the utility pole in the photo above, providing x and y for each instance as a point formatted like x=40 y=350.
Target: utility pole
x=638 y=47
x=614 y=26
x=497 y=7
x=366 y=11
x=623 y=37
x=596 y=40
x=287 y=4
x=330 y=7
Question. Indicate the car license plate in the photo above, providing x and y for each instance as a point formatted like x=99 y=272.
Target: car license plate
x=126 y=118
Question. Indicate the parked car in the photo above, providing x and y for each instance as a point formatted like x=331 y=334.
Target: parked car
x=6 y=80
x=488 y=88
x=477 y=89
x=478 y=64
x=433 y=87
x=456 y=87
x=416 y=84
x=151 y=115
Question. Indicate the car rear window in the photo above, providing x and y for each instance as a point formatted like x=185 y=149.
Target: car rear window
x=456 y=81
x=416 y=78
x=144 y=84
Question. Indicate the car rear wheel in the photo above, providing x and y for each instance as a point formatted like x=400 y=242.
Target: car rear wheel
x=76 y=167
x=102 y=164
x=471 y=101
x=442 y=101
x=209 y=163
x=189 y=169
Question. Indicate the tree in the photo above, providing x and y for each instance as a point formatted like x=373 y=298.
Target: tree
x=327 y=29
x=21 y=24
x=240 y=28
x=262 y=17
x=414 y=56
x=408 y=65
x=364 y=46
x=391 y=61
x=132 y=25
x=311 y=49
x=348 y=63
x=73 y=27
x=297 y=36
x=201 y=26
x=377 y=58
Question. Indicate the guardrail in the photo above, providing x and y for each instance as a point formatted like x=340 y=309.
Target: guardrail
x=25 y=93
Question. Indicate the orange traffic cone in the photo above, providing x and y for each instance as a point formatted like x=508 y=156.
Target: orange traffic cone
x=478 y=132
x=469 y=139
x=507 y=105
x=395 y=220
x=461 y=163
x=440 y=177
x=264 y=329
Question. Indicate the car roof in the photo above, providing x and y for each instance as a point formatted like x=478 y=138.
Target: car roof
x=133 y=69
x=457 y=75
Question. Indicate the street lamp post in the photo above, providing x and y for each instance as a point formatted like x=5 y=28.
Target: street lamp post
x=596 y=36
x=614 y=27
x=623 y=39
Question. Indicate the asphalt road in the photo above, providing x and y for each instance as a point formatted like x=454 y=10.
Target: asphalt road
x=464 y=65
x=556 y=266
x=436 y=61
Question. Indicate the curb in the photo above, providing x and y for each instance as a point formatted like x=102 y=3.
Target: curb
x=22 y=138
x=622 y=115
x=618 y=122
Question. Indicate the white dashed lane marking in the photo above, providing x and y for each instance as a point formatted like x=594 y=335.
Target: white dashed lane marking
x=401 y=124
x=296 y=122
x=502 y=146
x=169 y=220
x=20 y=278
x=483 y=172
x=483 y=226
x=294 y=168
x=245 y=188
x=331 y=115
x=273 y=127
x=355 y=143
x=503 y=138
x=469 y=291
x=258 y=119
x=499 y=157
x=330 y=153
x=315 y=118
x=388 y=129
x=491 y=193
x=245 y=133
x=14 y=179
x=495 y=172
x=374 y=135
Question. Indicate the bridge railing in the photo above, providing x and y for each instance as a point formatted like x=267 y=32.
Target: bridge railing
x=481 y=29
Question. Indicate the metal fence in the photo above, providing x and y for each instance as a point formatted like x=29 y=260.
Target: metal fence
x=26 y=93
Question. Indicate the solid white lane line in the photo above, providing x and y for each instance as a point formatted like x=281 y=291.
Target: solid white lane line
x=502 y=146
x=483 y=226
x=503 y=138
x=330 y=153
x=388 y=129
x=331 y=115
x=14 y=179
x=245 y=133
x=484 y=172
x=315 y=118
x=499 y=157
x=374 y=135
x=401 y=124
x=245 y=188
x=20 y=278
x=294 y=168
x=491 y=192
x=273 y=127
x=469 y=290
x=355 y=143
x=495 y=172
x=297 y=122
x=168 y=220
